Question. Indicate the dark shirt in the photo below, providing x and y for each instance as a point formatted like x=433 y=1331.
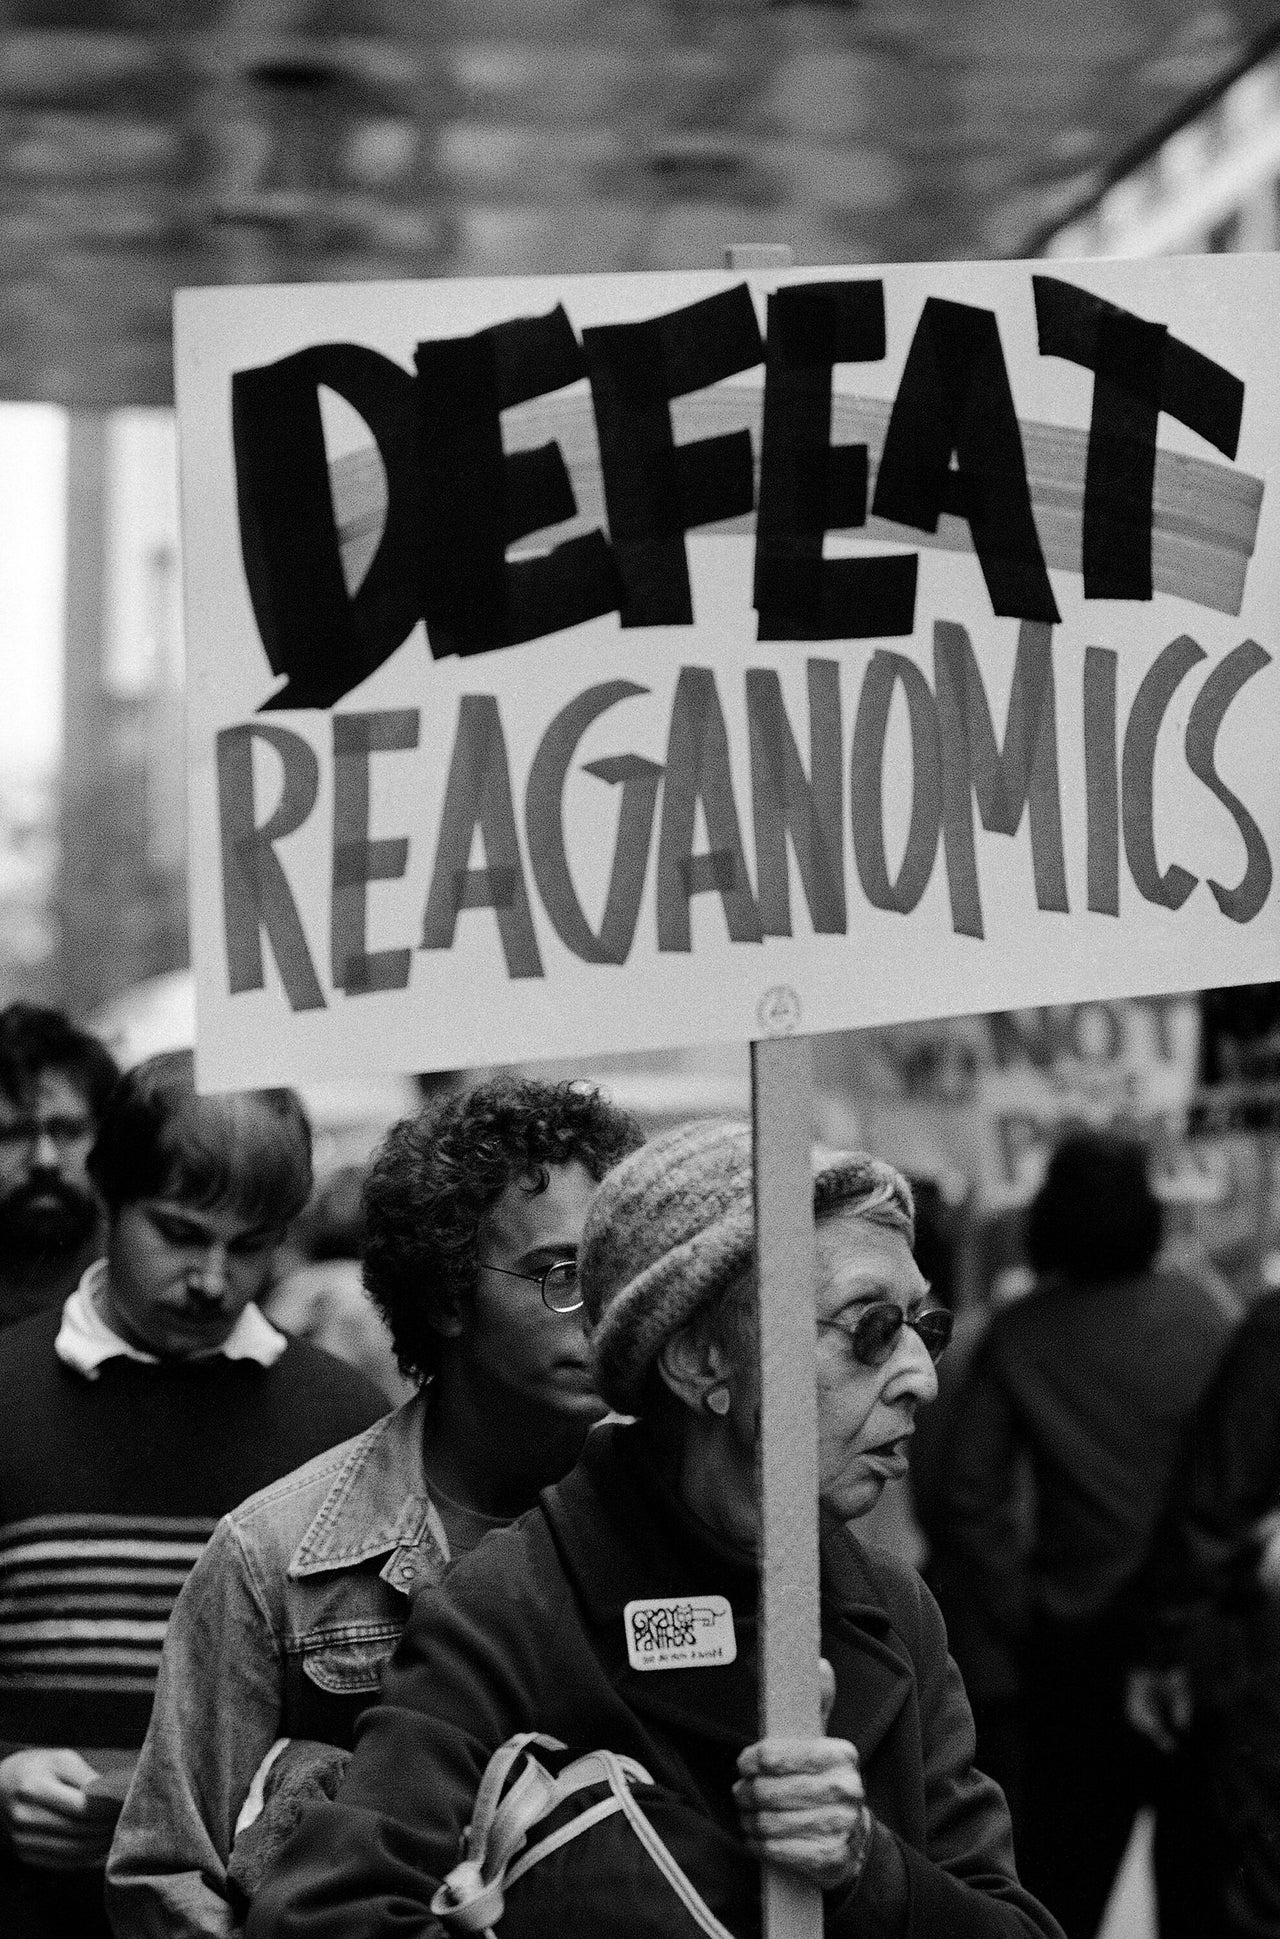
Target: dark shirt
x=109 y=1488
x=40 y=1284
x=1092 y=1386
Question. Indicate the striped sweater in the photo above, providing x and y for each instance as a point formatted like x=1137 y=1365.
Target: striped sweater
x=109 y=1489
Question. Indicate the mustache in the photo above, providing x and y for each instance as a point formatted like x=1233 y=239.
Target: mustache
x=33 y=1191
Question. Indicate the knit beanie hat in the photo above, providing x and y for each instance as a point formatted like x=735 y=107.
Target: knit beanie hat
x=674 y=1224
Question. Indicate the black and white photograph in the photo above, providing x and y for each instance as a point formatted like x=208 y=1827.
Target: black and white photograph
x=640 y=969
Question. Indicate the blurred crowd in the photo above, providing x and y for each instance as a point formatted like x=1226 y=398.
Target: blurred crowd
x=341 y=1518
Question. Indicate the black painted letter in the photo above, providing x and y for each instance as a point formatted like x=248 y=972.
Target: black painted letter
x=477 y=500
x=954 y=398
x=809 y=487
x=654 y=489
x=1139 y=371
x=326 y=641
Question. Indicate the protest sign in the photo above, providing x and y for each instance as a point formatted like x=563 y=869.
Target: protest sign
x=1128 y=1065
x=591 y=664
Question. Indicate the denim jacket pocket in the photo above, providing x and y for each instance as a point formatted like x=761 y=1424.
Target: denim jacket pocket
x=349 y=1666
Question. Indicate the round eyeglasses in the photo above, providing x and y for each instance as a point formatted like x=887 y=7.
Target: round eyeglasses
x=876 y=1332
x=558 y=1284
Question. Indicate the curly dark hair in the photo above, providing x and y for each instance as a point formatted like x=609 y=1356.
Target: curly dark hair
x=436 y=1175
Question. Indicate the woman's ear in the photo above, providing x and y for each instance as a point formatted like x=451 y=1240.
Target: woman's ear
x=691 y=1363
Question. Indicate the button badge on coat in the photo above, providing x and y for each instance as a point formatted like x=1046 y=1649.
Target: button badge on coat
x=679 y=1632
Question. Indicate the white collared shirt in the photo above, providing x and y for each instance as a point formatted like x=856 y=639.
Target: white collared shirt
x=85 y=1340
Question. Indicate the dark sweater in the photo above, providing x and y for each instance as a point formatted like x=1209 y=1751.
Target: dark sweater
x=109 y=1489
x=1092 y=1386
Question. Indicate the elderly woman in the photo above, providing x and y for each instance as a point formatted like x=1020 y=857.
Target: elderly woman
x=537 y=1629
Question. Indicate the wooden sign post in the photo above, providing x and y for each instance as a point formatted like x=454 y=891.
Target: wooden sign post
x=782 y=1126
x=790 y=1625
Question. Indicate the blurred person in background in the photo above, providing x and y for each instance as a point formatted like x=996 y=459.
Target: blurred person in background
x=536 y=1629
x=54 y=1083
x=473 y=1215
x=132 y=1418
x=319 y=1292
x=984 y=1653
x=1209 y=1684
x=1080 y=1391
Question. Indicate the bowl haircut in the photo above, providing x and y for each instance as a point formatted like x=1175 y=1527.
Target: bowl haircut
x=245 y=1151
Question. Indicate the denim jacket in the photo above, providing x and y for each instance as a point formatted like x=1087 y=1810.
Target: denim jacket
x=283 y=1630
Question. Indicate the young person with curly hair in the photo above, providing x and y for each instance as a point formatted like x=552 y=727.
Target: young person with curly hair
x=473 y=1214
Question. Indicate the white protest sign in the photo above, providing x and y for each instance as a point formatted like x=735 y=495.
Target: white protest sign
x=588 y=664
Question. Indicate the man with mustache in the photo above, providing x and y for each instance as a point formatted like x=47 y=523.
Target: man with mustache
x=54 y=1083
x=131 y=1419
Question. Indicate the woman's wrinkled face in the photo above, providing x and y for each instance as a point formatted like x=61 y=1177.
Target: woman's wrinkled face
x=865 y=1414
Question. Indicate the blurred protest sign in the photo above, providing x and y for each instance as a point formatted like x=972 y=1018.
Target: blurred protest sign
x=979 y=1102
x=1128 y=1065
x=603 y=663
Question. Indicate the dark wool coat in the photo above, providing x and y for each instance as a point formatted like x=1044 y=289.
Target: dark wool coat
x=527 y=1633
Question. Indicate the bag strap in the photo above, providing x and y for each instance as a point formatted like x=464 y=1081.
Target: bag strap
x=678 y=1879
x=497 y=1770
x=471 y=1898
x=596 y=1767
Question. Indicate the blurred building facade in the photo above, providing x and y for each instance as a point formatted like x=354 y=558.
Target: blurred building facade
x=120 y=904
x=1211 y=186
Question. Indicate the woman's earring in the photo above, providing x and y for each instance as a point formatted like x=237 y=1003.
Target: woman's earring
x=717 y=1400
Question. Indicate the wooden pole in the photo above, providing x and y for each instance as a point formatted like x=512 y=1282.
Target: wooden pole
x=782 y=1127
x=790 y=1626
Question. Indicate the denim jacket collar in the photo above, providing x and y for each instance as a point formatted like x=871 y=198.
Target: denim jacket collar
x=378 y=1506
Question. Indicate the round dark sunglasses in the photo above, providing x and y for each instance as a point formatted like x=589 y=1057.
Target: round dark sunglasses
x=558 y=1284
x=875 y=1333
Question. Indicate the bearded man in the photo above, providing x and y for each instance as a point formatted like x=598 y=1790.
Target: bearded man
x=54 y=1083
